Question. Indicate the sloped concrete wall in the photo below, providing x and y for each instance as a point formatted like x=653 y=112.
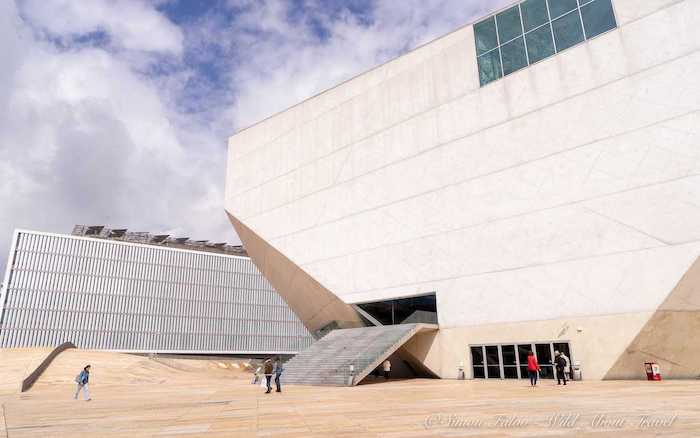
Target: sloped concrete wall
x=670 y=337
x=315 y=305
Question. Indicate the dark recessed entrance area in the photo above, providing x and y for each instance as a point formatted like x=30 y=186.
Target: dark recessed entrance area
x=422 y=308
x=418 y=309
x=403 y=366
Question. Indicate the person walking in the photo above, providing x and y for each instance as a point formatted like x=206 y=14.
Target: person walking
x=560 y=365
x=267 y=369
x=82 y=380
x=533 y=368
x=256 y=375
x=277 y=371
x=387 y=369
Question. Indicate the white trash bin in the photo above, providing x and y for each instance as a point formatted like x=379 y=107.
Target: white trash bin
x=576 y=371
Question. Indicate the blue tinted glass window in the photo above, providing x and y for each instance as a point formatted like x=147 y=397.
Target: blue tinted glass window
x=539 y=44
x=598 y=17
x=534 y=30
x=534 y=13
x=485 y=35
x=489 y=67
x=567 y=31
x=561 y=7
x=513 y=55
x=509 y=25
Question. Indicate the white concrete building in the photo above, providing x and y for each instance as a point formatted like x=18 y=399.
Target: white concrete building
x=138 y=297
x=559 y=203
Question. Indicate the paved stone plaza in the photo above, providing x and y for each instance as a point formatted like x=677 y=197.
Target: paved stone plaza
x=136 y=396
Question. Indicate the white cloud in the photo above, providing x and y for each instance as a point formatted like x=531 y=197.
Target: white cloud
x=87 y=137
x=130 y=24
x=286 y=63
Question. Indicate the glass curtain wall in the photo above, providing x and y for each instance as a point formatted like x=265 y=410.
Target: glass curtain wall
x=404 y=310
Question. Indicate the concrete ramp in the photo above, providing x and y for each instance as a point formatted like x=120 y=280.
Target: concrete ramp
x=328 y=360
x=110 y=368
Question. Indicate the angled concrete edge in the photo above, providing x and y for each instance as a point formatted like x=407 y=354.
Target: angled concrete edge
x=416 y=329
x=315 y=305
x=668 y=338
x=416 y=363
x=34 y=376
x=419 y=347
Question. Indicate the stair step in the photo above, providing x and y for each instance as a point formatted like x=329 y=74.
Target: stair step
x=328 y=360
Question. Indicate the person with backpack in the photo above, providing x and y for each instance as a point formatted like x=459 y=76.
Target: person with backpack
x=267 y=369
x=560 y=365
x=533 y=368
x=82 y=381
x=277 y=371
x=567 y=369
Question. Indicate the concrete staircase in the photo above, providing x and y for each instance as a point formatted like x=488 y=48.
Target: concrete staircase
x=328 y=360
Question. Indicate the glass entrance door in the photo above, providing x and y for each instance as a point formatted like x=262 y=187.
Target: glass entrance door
x=523 y=352
x=493 y=362
x=544 y=358
x=562 y=347
x=478 y=362
x=509 y=361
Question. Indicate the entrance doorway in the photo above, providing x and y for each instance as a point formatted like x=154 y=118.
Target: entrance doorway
x=408 y=310
x=509 y=361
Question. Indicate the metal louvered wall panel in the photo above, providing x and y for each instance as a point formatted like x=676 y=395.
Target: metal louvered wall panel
x=104 y=294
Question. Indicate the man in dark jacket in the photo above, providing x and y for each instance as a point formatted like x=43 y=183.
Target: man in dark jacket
x=560 y=364
x=277 y=371
x=267 y=369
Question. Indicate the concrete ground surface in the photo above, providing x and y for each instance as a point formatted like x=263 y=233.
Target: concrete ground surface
x=136 y=396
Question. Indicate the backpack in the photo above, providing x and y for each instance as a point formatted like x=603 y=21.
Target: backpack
x=77 y=379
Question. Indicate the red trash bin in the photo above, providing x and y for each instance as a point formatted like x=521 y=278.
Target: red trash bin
x=653 y=371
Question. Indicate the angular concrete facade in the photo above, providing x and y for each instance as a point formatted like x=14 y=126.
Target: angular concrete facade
x=316 y=306
x=559 y=203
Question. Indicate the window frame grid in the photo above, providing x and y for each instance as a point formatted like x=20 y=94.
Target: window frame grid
x=549 y=22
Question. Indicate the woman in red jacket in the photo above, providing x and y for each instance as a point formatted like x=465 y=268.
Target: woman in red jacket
x=533 y=368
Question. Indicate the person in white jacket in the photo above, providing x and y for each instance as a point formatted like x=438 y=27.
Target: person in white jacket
x=387 y=369
x=256 y=376
x=567 y=368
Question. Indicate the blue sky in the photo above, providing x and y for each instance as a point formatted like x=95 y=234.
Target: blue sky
x=117 y=112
